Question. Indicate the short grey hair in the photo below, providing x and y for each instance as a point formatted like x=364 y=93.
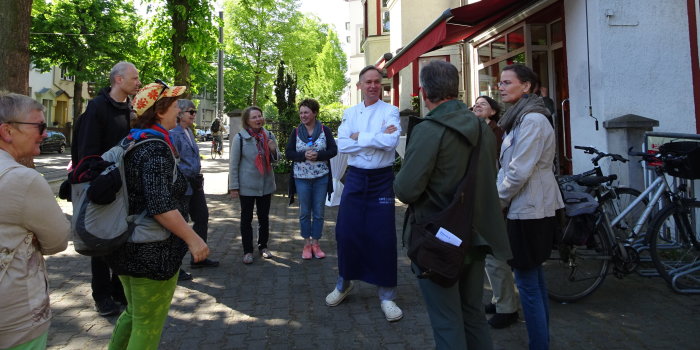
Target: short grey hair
x=440 y=81
x=16 y=107
x=118 y=70
x=184 y=104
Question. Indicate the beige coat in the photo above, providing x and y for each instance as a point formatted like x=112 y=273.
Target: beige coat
x=31 y=225
x=526 y=183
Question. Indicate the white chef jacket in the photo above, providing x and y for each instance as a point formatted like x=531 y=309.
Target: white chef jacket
x=373 y=149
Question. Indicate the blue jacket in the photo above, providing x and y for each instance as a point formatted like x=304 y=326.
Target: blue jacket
x=189 y=163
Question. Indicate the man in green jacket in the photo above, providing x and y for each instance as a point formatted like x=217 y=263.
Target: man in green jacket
x=436 y=160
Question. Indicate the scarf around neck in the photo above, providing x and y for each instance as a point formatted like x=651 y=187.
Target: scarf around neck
x=262 y=160
x=528 y=103
x=304 y=134
x=156 y=130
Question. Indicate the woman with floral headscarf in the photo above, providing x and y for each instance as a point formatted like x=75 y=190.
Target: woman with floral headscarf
x=149 y=271
x=252 y=180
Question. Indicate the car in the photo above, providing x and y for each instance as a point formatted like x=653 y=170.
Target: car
x=55 y=142
x=201 y=135
x=207 y=136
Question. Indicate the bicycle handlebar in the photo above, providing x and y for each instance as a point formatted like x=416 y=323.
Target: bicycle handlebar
x=600 y=155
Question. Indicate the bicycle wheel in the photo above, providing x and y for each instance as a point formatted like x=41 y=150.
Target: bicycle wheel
x=614 y=203
x=573 y=272
x=674 y=246
x=214 y=151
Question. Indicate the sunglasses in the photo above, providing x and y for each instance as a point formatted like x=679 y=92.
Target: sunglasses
x=165 y=87
x=41 y=126
x=191 y=112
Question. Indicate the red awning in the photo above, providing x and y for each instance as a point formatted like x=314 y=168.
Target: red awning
x=453 y=26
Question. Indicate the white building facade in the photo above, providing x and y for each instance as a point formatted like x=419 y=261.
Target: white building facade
x=599 y=59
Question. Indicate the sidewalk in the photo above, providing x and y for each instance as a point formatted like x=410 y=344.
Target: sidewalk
x=279 y=303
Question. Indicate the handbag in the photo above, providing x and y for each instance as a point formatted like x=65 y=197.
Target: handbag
x=441 y=261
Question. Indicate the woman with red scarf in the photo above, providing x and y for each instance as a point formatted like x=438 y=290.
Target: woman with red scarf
x=252 y=180
x=149 y=270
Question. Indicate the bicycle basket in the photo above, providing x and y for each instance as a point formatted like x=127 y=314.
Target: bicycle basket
x=686 y=164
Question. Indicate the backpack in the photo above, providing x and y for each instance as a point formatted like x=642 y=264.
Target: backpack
x=99 y=229
x=215 y=126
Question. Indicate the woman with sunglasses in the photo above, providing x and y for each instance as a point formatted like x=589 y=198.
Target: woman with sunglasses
x=311 y=146
x=31 y=225
x=149 y=271
x=529 y=193
x=252 y=180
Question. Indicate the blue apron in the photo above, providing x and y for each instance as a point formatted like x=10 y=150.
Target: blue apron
x=365 y=229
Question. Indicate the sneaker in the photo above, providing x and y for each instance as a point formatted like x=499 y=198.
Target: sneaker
x=204 y=263
x=499 y=321
x=318 y=253
x=306 y=253
x=392 y=312
x=490 y=308
x=106 y=307
x=184 y=276
x=336 y=297
x=248 y=258
x=265 y=253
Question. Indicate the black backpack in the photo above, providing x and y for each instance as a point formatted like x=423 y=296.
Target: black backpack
x=215 y=126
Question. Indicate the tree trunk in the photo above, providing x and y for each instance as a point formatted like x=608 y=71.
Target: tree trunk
x=16 y=20
x=180 y=27
x=77 y=99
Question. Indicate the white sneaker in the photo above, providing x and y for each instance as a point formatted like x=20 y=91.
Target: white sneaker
x=336 y=297
x=392 y=312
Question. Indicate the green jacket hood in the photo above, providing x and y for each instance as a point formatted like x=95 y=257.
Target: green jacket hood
x=455 y=115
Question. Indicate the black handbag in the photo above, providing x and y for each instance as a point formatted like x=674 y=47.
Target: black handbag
x=440 y=261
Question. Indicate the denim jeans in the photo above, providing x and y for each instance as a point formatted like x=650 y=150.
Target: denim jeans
x=312 y=200
x=533 y=297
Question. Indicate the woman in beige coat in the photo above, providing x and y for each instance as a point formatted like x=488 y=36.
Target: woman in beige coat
x=31 y=225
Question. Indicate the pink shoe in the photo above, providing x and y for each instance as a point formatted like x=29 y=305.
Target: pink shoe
x=306 y=253
x=318 y=253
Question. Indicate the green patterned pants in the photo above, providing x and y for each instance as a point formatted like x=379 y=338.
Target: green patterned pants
x=141 y=324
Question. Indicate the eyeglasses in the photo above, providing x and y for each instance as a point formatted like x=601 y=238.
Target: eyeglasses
x=192 y=112
x=165 y=87
x=41 y=126
x=504 y=83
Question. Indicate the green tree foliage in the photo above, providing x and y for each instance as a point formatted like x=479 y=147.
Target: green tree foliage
x=90 y=37
x=256 y=28
x=327 y=81
x=180 y=42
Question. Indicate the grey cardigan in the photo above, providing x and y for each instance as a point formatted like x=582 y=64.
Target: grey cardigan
x=242 y=173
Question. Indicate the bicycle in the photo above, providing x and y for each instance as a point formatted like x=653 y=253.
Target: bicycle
x=612 y=198
x=216 y=149
x=575 y=270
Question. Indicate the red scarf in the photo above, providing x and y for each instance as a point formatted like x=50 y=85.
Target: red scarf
x=262 y=161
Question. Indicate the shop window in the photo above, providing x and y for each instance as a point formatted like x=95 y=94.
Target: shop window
x=538 y=34
x=557 y=31
x=484 y=53
x=516 y=39
x=498 y=47
x=385 y=22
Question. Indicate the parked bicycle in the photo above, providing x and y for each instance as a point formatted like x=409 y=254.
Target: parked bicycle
x=591 y=243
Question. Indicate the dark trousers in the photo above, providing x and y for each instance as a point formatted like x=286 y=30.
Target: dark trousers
x=105 y=283
x=199 y=213
x=262 y=204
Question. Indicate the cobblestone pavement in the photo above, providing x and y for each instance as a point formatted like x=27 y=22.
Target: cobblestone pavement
x=279 y=303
